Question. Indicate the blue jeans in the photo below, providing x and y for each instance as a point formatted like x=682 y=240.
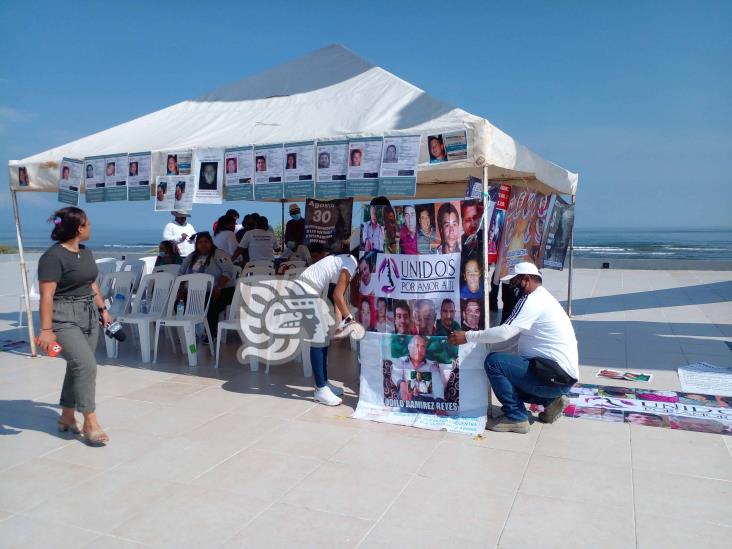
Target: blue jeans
x=515 y=384
x=319 y=362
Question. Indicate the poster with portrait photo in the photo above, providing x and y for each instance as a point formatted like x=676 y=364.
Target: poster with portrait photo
x=400 y=156
x=165 y=193
x=183 y=192
x=332 y=168
x=177 y=162
x=138 y=176
x=497 y=217
x=23 y=178
x=268 y=171
x=472 y=312
x=70 y=181
x=428 y=238
x=299 y=161
x=449 y=226
x=364 y=162
x=447 y=146
x=94 y=178
x=115 y=177
x=239 y=173
x=209 y=176
x=557 y=234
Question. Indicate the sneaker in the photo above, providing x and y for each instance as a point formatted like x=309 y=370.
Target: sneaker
x=337 y=391
x=505 y=425
x=552 y=412
x=352 y=329
x=325 y=396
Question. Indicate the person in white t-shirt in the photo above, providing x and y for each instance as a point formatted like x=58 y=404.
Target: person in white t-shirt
x=547 y=363
x=224 y=236
x=181 y=232
x=260 y=242
x=334 y=270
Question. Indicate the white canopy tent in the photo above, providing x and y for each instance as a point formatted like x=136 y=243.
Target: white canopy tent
x=328 y=94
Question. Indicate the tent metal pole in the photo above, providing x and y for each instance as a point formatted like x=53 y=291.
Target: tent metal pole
x=486 y=266
x=282 y=224
x=24 y=275
x=571 y=265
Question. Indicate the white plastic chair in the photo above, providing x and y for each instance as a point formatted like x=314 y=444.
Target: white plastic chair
x=34 y=296
x=291 y=264
x=136 y=266
x=260 y=263
x=170 y=269
x=231 y=322
x=105 y=265
x=149 y=262
x=148 y=306
x=293 y=273
x=116 y=290
x=257 y=270
x=198 y=297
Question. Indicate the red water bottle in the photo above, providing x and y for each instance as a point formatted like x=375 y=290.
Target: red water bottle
x=54 y=349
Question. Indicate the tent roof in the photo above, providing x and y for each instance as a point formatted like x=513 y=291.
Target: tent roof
x=328 y=94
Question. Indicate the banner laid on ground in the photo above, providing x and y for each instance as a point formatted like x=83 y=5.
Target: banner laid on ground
x=328 y=222
x=704 y=377
x=557 y=234
x=670 y=409
x=409 y=302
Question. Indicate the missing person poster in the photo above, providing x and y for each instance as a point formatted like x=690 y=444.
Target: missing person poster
x=328 y=222
x=239 y=176
x=268 y=171
x=558 y=234
x=412 y=295
x=138 y=176
x=208 y=176
x=447 y=146
x=178 y=162
x=399 y=159
x=70 y=181
x=165 y=190
x=332 y=164
x=364 y=162
x=115 y=177
x=184 y=189
x=299 y=169
x=497 y=217
x=94 y=178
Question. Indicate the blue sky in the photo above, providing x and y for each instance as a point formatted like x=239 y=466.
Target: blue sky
x=635 y=96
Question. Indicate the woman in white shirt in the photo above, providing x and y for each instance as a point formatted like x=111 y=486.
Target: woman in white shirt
x=224 y=236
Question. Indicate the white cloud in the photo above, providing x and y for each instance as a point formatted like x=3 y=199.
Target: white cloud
x=10 y=114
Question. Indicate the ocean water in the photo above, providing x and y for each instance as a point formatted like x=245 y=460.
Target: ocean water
x=592 y=243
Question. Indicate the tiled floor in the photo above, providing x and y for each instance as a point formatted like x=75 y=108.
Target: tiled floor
x=230 y=458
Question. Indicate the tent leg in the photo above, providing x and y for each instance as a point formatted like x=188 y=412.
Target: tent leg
x=486 y=273
x=282 y=224
x=24 y=275
x=571 y=265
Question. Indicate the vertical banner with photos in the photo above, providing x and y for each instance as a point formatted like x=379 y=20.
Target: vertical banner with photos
x=94 y=178
x=115 y=177
x=523 y=230
x=328 y=222
x=558 y=234
x=268 y=172
x=70 y=181
x=299 y=169
x=400 y=155
x=497 y=217
x=419 y=282
x=239 y=173
x=364 y=162
x=138 y=176
x=165 y=191
x=447 y=146
x=208 y=171
x=332 y=164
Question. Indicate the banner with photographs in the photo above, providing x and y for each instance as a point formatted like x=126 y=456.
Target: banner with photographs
x=670 y=409
x=558 y=234
x=165 y=190
x=209 y=176
x=138 y=176
x=115 y=177
x=268 y=171
x=332 y=169
x=447 y=146
x=299 y=169
x=364 y=162
x=239 y=176
x=94 y=179
x=328 y=222
x=70 y=182
x=420 y=278
x=497 y=217
x=523 y=230
x=183 y=187
x=399 y=159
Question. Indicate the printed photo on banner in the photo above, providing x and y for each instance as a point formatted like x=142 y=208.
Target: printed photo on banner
x=415 y=381
x=472 y=214
x=183 y=192
x=400 y=156
x=268 y=164
x=115 y=181
x=500 y=194
x=70 y=181
x=138 y=176
x=473 y=314
x=299 y=161
x=447 y=146
x=332 y=160
x=328 y=222
x=428 y=238
x=366 y=267
x=364 y=158
x=94 y=176
x=209 y=176
x=23 y=179
x=165 y=190
x=557 y=234
x=178 y=162
x=449 y=227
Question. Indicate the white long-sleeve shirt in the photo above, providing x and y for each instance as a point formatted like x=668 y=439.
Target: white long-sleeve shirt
x=173 y=231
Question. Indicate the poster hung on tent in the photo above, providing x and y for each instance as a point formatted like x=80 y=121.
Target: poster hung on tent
x=68 y=185
x=299 y=169
x=447 y=146
x=115 y=178
x=183 y=187
x=138 y=176
x=332 y=169
x=497 y=218
x=268 y=172
x=23 y=178
x=239 y=176
x=94 y=178
x=328 y=222
x=558 y=234
x=178 y=162
x=398 y=176
x=523 y=230
x=409 y=303
x=165 y=193
x=208 y=176
x=364 y=161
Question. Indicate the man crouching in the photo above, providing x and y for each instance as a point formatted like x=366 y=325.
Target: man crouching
x=546 y=365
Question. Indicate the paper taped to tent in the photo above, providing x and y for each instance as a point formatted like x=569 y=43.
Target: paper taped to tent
x=329 y=94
